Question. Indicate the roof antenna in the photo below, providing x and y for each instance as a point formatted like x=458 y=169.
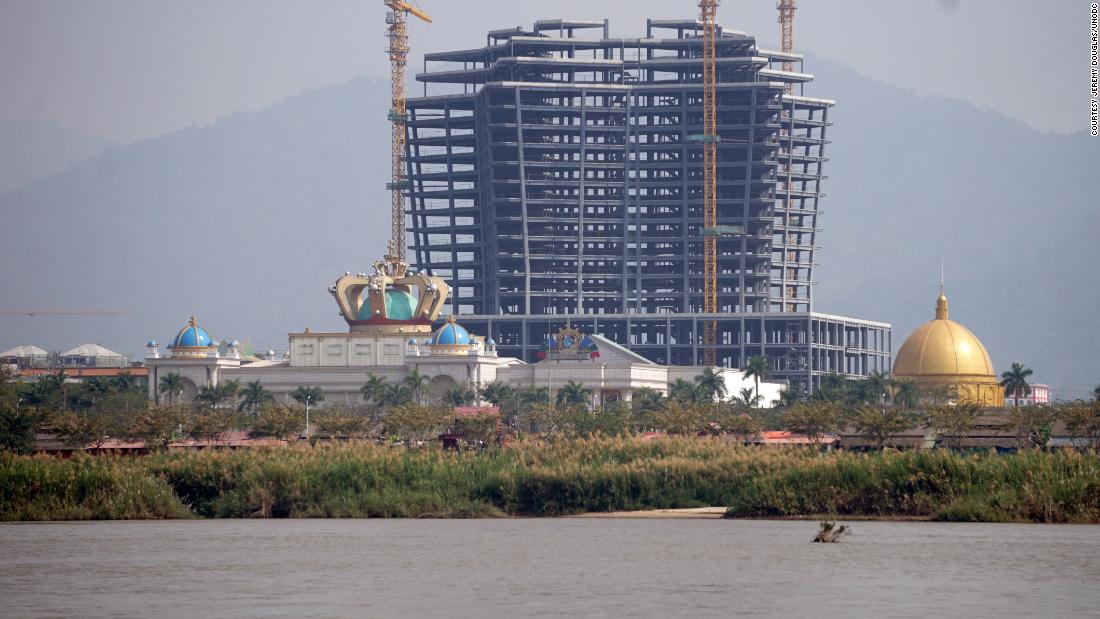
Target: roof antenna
x=941 y=274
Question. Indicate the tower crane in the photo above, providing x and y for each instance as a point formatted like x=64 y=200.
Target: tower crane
x=709 y=14
x=786 y=10
x=398 y=50
x=786 y=19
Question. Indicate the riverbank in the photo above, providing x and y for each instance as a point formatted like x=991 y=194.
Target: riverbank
x=357 y=480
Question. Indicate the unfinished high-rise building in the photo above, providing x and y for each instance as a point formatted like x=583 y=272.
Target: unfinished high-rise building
x=556 y=177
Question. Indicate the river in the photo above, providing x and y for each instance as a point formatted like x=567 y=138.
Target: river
x=567 y=566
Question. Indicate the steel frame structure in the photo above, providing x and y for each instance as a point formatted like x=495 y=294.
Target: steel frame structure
x=553 y=178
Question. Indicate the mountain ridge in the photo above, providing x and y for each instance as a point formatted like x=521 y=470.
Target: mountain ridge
x=245 y=221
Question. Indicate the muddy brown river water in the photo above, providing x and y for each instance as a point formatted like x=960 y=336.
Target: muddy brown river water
x=524 y=567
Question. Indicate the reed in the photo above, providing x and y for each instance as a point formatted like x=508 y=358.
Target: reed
x=553 y=478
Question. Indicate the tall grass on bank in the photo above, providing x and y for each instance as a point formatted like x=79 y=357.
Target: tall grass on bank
x=367 y=480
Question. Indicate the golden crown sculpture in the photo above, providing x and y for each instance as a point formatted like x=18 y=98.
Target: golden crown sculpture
x=391 y=281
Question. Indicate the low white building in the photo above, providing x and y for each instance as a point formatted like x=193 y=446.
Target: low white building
x=391 y=333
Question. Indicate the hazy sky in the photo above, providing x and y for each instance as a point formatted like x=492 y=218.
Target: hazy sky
x=130 y=69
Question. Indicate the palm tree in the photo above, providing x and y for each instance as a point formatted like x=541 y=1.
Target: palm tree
x=495 y=392
x=460 y=395
x=574 y=393
x=645 y=399
x=416 y=381
x=1096 y=393
x=374 y=389
x=97 y=386
x=172 y=385
x=254 y=395
x=307 y=396
x=790 y=396
x=749 y=398
x=125 y=382
x=682 y=391
x=711 y=385
x=878 y=384
x=534 y=395
x=395 y=395
x=230 y=389
x=906 y=393
x=1014 y=381
x=833 y=387
x=758 y=368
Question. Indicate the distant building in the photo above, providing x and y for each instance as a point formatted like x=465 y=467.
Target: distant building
x=92 y=355
x=1040 y=394
x=390 y=315
x=25 y=356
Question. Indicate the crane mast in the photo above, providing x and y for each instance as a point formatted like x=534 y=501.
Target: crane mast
x=786 y=21
x=398 y=50
x=709 y=14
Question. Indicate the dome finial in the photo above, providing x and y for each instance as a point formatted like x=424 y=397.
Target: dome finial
x=941 y=301
x=193 y=322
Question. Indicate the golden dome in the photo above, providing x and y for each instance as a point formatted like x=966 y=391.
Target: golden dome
x=945 y=353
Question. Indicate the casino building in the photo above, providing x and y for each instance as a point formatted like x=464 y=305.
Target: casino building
x=394 y=326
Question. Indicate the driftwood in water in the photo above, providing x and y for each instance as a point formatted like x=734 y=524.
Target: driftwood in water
x=831 y=532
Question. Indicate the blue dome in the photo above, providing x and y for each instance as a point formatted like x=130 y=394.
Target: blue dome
x=451 y=334
x=192 y=336
x=400 y=305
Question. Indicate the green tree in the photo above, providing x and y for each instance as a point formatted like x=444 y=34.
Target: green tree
x=96 y=388
x=1031 y=425
x=481 y=428
x=813 y=419
x=643 y=400
x=308 y=396
x=415 y=423
x=1082 y=419
x=954 y=422
x=679 y=417
x=211 y=424
x=573 y=393
x=126 y=382
x=534 y=395
x=17 y=427
x=253 y=395
x=1096 y=393
x=710 y=385
x=1014 y=382
x=758 y=368
x=790 y=396
x=415 y=382
x=157 y=426
x=397 y=394
x=460 y=395
x=744 y=427
x=748 y=398
x=496 y=393
x=278 y=421
x=906 y=393
x=880 y=425
x=683 y=391
x=171 y=384
x=339 y=422
x=834 y=388
x=374 y=390
x=216 y=395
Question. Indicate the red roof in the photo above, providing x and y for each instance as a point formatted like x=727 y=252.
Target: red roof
x=782 y=437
